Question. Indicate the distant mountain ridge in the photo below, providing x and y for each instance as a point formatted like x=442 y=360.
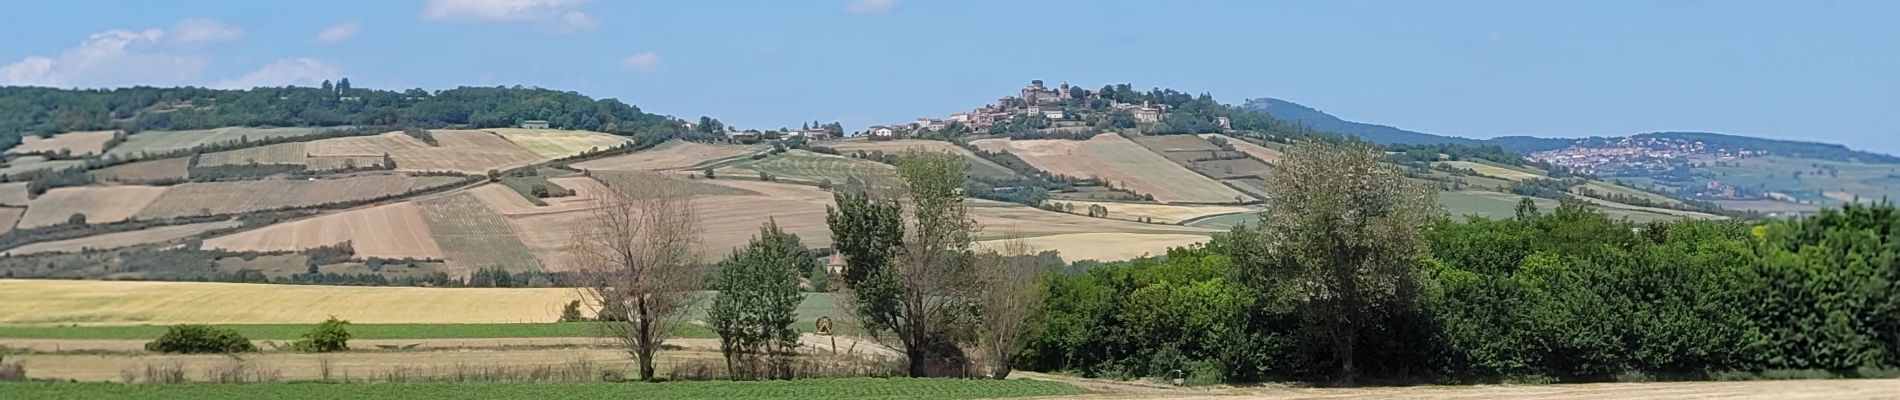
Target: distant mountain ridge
x=1384 y=134
x=1316 y=119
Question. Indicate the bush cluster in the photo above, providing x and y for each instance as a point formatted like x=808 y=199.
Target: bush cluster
x=196 y=339
x=1570 y=295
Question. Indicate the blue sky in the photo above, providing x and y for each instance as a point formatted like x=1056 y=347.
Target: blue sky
x=1822 y=70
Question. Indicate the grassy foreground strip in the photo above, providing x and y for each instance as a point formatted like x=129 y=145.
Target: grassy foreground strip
x=857 y=388
x=292 y=331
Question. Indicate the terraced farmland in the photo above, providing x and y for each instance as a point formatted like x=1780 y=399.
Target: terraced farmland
x=122 y=239
x=169 y=169
x=1120 y=162
x=386 y=231
x=141 y=143
x=13 y=194
x=98 y=204
x=122 y=302
x=37 y=163
x=473 y=237
x=978 y=165
x=472 y=152
x=281 y=154
x=71 y=143
x=555 y=143
x=9 y=216
x=213 y=198
x=669 y=156
x=809 y=167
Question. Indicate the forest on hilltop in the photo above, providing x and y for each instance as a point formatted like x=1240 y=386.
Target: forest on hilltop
x=46 y=111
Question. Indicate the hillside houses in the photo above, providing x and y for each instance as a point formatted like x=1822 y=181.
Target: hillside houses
x=1068 y=106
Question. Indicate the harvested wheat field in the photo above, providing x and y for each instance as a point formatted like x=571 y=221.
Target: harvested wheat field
x=810 y=167
x=386 y=231
x=127 y=303
x=1494 y=171
x=472 y=237
x=169 y=169
x=978 y=165
x=333 y=163
x=122 y=239
x=1263 y=153
x=447 y=364
x=279 y=154
x=473 y=152
x=10 y=216
x=1000 y=219
x=1159 y=213
x=99 y=204
x=215 y=198
x=14 y=194
x=72 y=143
x=1120 y=162
x=556 y=143
x=165 y=141
x=1107 y=246
x=671 y=155
x=729 y=211
x=26 y=164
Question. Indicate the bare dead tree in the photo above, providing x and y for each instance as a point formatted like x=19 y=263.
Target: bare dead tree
x=639 y=256
x=1012 y=294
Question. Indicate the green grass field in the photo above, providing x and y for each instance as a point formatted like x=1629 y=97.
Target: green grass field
x=855 y=388
x=806 y=166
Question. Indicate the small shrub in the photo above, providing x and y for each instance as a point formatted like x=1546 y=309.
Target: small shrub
x=154 y=373
x=572 y=312
x=193 y=339
x=331 y=336
x=11 y=371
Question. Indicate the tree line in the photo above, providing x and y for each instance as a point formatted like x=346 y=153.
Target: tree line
x=46 y=111
x=1352 y=276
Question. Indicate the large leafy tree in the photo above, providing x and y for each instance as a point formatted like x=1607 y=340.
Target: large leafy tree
x=757 y=303
x=1340 y=243
x=912 y=285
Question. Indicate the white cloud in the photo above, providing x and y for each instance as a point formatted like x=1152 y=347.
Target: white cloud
x=558 y=16
x=303 y=71
x=200 y=30
x=642 y=61
x=862 y=7
x=121 y=57
x=338 y=33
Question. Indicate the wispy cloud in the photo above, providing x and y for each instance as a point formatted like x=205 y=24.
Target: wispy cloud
x=645 y=61
x=303 y=71
x=339 y=33
x=198 y=30
x=558 y=16
x=863 y=7
x=119 y=57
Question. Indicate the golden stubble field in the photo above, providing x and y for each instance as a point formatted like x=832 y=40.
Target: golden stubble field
x=74 y=143
x=99 y=204
x=556 y=143
x=1120 y=162
x=388 y=231
x=669 y=156
x=122 y=239
x=473 y=152
x=160 y=303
